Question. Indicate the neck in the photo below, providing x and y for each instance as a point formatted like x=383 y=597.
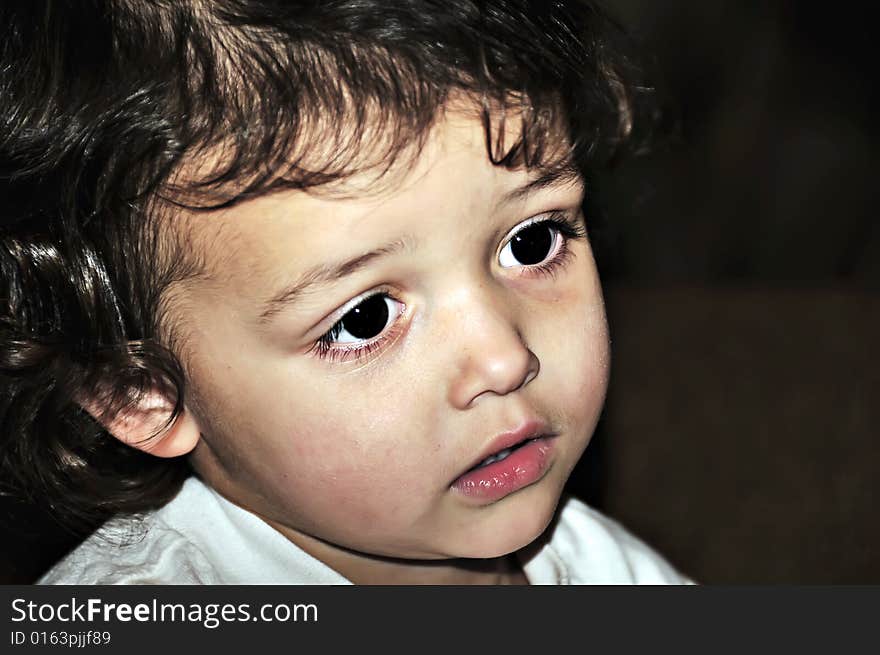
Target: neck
x=366 y=569
x=495 y=571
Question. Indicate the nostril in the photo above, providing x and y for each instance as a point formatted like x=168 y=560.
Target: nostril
x=534 y=368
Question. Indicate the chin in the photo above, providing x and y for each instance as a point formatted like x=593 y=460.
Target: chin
x=511 y=523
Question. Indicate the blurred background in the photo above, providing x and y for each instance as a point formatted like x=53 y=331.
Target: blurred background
x=742 y=269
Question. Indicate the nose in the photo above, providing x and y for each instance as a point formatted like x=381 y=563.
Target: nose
x=491 y=356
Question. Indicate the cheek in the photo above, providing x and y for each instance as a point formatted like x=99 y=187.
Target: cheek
x=577 y=351
x=359 y=473
x=354 y=442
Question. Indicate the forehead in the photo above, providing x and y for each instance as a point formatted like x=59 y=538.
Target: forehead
x=450 y=168
x=367 y=153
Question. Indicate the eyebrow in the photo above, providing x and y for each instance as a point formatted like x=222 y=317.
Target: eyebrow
x=324 y=274
x=554 y=177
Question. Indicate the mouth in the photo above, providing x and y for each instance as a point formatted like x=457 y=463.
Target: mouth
x=501 y=455
x=516 y=460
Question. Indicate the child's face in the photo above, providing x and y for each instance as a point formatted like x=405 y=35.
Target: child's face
x=466 y=338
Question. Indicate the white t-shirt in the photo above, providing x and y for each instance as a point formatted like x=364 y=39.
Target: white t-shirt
x=202 y=538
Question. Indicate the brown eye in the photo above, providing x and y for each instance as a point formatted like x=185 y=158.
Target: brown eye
x=366 y=320
x=532 y=245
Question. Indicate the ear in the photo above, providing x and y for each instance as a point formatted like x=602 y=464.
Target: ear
x=145 y=426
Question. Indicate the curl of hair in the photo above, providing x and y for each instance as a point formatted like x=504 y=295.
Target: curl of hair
x=109 y=107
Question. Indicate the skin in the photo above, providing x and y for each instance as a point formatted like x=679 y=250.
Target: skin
x=353 y=460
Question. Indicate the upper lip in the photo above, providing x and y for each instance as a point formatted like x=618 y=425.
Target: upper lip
x=531 y=429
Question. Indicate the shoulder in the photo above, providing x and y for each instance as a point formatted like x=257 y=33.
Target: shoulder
x=134 y=550
x=583 y=546
x=199 y=537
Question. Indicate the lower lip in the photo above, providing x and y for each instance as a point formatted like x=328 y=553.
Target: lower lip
x=524 y=466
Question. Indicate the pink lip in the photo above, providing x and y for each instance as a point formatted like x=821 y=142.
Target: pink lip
x=524 y=466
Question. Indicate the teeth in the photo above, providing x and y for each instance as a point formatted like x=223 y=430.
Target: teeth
x=497 y=457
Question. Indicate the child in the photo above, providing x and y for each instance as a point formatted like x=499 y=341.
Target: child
x=302 y=292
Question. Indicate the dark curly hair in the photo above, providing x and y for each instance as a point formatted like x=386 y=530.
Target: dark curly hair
x=111 y=109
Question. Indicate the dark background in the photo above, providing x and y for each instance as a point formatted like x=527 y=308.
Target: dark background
x=742 y=269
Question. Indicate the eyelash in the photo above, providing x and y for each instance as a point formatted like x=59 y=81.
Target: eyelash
x=324 y=348
x=570 y=228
